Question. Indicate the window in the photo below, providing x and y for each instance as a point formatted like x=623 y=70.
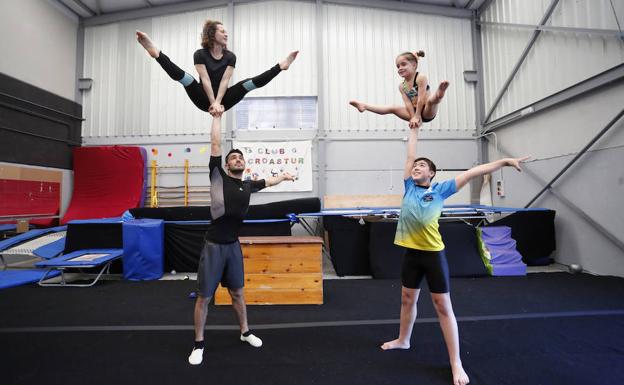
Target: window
x=284 y=112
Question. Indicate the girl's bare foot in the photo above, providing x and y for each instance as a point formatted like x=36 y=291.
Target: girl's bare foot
x=439 y=94
x=284 y=64
x=148 y=44
x=395 y=344
x=459 y=375
x=359 y=105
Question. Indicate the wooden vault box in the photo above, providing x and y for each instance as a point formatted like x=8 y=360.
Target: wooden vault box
x=280 y=270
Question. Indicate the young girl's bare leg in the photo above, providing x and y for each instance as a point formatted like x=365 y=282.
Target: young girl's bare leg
x=431 y=107
x=399 y=111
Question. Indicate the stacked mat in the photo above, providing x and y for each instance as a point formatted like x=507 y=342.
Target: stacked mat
x=498 y=251
x=43 y=243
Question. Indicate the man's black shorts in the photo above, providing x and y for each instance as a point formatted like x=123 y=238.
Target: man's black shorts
x=220 y=262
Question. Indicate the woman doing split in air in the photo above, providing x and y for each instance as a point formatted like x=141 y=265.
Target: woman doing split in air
x=214 y=64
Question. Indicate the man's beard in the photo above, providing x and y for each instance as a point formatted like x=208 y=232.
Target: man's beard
x=237 y=171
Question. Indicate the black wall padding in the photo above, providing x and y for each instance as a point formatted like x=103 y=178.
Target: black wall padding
x=260 y=229
x=348 y=245
x=183 y=244
x=460 y=241
x=462 y=251
x=386 y=258
x=201 y=213
x=534 y=232
x=82 y=236
x=280 y=209
x=273 y=210
x=37 y=127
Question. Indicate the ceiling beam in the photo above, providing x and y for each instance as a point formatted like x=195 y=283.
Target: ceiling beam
x=84 y=7
x=483 y=7
x=154 y=11
x=552 y=28
x=188 y=6
x=66 y=9
x=407 y=7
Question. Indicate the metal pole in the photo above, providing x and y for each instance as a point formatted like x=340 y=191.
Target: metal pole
x=321 y=156
x=80 y=48
x=229 y=122
x=186 y=185
x=583 y=151
x=477 y=57
x=607 y=78
x=578 y=211
x=523 y=56
x=482 y=144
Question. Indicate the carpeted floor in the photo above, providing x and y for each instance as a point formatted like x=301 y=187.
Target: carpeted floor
x=551 y=328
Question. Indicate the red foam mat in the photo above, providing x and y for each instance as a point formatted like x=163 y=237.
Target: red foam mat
x=23 y=197
x=108 y=180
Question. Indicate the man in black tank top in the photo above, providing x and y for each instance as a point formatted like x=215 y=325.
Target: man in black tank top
x=221 y=258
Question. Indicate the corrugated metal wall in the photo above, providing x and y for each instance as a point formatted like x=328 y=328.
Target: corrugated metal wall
x=557 y=60
x=361 y=45
x=100 y=64
x=132 y=96
x=178 y=36
x=264 y=33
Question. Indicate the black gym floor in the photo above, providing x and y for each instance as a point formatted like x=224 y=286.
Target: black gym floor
x=545 y=328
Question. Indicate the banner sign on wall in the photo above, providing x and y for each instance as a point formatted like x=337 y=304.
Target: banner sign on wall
x=270 y=159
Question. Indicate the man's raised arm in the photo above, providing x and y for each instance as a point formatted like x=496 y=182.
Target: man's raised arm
x=215 y=136
x=411 y=152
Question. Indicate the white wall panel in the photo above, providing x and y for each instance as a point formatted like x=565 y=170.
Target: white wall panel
x=376 y=166
x=557 y=60
x=100 y=64
x=131 y=94
x=360 y=47
x=132 y=83
x=264 y=33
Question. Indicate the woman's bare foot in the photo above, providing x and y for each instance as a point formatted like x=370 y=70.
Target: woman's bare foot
x=459 y=375
x=359 y=105
x=439 y=94
x=148 y=44
x=395 y=344
x=284 y=64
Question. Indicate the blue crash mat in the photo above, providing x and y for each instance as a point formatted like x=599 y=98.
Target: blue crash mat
x=12 y=278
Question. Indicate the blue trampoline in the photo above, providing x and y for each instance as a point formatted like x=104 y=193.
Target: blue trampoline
x=78 y=260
